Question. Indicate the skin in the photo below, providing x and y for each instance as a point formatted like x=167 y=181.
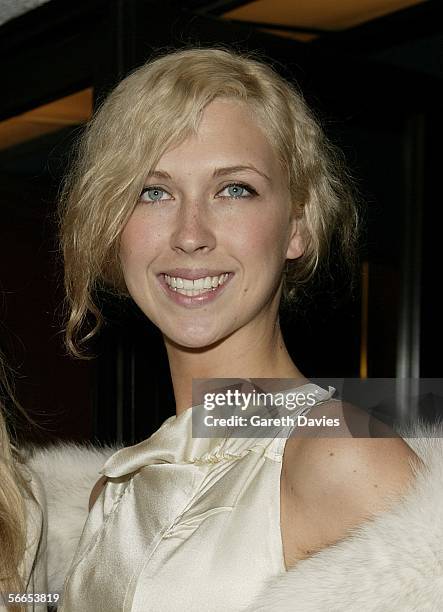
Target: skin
x=331 y=485
x=238 y=335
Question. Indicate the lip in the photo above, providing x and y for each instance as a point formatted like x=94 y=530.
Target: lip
x=197 y=300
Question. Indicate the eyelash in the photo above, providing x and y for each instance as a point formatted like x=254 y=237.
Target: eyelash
x=237 y=184
x=252 y=191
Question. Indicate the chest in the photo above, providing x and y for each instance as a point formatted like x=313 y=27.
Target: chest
x=177 y=541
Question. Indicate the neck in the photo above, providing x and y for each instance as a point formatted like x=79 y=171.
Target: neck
x=246 y=353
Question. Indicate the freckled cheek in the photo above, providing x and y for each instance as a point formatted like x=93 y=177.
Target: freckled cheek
x=138 y=243
x=258 y=240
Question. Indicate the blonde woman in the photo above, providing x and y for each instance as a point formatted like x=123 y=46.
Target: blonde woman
x=39 y=486
x=22 y=516
x=203 y=189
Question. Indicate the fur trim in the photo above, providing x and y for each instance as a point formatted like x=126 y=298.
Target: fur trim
x=392 y=562
x=68 y=472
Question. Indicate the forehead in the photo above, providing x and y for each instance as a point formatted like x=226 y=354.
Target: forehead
x=229 y=130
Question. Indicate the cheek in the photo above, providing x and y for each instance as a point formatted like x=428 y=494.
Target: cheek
x=137 y=242
x=262 y=239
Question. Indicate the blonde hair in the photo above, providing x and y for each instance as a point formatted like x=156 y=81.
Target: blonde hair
x=12 y=505
x=160 y=104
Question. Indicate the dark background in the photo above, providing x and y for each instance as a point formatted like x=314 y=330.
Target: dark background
x=376 y=88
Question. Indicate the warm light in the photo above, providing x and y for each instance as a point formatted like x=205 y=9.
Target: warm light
x=71 y=110
x=316 y=14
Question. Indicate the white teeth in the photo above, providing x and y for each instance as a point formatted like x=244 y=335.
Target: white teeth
x=199 y=284
x=184 y=285
x=193 y=292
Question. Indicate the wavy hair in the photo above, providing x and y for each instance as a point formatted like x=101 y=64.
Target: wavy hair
x=160 y=104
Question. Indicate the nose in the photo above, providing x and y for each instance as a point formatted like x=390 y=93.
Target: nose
x=193 y=229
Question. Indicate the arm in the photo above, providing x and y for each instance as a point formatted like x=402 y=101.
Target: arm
x=390 y=562
x=332 y=485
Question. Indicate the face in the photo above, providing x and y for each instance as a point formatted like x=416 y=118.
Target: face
x=204 y=250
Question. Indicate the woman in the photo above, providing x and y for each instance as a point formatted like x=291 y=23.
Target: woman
x=43 y=506
x=203 y=188
x=22 y=524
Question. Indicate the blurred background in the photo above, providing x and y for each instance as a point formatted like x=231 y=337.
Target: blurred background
x=372 y=72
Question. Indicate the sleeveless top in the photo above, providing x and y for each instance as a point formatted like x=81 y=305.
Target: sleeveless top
x=183 y=523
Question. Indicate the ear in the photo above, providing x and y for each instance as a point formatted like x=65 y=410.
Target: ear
x=296 y=244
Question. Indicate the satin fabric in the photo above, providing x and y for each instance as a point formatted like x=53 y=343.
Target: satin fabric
x=183 y=523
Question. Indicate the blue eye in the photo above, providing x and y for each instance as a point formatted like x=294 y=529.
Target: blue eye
x=236 y=191
x=154 y=194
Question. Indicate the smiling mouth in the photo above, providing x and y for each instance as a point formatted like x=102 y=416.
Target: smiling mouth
x=203 y=291
x=193 y=288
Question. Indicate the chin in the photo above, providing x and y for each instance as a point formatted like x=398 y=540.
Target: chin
x=192 y=339
x=195 y=343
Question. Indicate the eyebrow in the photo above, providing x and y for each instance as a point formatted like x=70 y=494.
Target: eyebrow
x=161 y=174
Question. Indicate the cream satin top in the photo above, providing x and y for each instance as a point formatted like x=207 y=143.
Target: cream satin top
x=184 y=524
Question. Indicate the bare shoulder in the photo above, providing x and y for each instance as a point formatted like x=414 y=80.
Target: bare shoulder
x=341 y=419
x=362 y=470
x=331 y=484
